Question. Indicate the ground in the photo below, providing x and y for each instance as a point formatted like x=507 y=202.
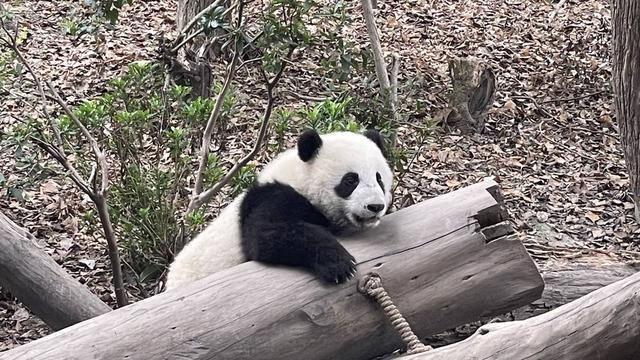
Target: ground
x=551 y=138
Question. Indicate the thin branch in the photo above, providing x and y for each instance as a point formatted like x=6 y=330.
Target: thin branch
x=572 y=98
x=206 y=195
x=99 y=154
x=213 y=118
x=378 y=57
x=99 y=197
x=62 y=159
x=395 y=69
x=186 y=40
x=195 y=19
x=57 y=152
x=14 y=46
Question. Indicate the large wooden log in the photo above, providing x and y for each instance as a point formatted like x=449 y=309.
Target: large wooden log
x=568 y=275
x=601 y=325
x=40 y=283
x=567 y=279
x=445 y=262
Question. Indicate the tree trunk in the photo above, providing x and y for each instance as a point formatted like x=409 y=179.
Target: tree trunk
x=187 y=9
x=188 y=56
x=445 y=262
x=40 y=283
x=626 y=85
x=473 y=90
x=601 y=325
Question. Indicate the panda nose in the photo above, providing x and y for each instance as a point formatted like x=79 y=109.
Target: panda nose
x=376 y=208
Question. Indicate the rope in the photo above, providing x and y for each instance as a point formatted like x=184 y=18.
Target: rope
x=371 y=285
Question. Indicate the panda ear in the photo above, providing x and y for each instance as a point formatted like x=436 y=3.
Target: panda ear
x=309 y=143
x=374 y=135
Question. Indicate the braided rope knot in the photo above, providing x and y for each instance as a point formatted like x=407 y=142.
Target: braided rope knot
x=371 y=285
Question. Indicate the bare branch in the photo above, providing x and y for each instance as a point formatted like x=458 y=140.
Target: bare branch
x=99 y=154
x=99 y=197
x=378 y=57
x=395 y=69
x=206 y=195
x=62 y=159
x=14 y=46
x=57 y=152
x=195 y=19
x=215 y=113
x=187 y=39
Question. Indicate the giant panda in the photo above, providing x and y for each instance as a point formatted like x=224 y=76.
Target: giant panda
x=329 y=185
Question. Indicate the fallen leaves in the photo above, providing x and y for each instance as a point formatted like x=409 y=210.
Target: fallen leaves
x=556 y=152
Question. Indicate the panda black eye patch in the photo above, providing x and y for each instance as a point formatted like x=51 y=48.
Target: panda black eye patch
x=348 y=183
x=379 y=180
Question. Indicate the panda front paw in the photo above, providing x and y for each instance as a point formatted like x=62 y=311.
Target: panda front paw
x=335 y=265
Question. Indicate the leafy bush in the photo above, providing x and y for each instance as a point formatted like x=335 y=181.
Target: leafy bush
x=152 y=130
x=149 y=135
x=331 y=115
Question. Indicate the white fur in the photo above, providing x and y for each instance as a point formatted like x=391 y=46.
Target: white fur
x=218 y=246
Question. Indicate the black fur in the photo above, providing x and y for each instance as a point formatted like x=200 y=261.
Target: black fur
x=309 y=143
x=280 y=226
x=375 y=136
x=379 y=180
x=348 y=183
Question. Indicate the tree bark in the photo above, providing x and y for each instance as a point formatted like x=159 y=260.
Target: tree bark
x=601 y=325
x=187 y=9
x=40 y=283
x=569 y=279
x=201 y=77
x=626 y=85
x=444 y=262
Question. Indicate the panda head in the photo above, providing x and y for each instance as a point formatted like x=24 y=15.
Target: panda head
x=346 y=176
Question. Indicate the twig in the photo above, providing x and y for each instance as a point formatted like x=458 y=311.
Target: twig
x=181 y=44
x=572 y=98
x=100 y=156
x=14 y=46
x=395 y=69
x=535 y=103
x=201 y=30
x=205 y=196
x=378 y=58
x=62 y=159
x=305 y=97
x=213 y=117
x=195 y=19
x=557 y=8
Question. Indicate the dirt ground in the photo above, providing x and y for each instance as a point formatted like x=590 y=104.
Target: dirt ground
x=551 y=137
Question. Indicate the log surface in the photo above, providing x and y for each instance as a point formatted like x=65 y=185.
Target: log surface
x=567 y=279
x=40 y=283
x=601 y=325
x=434 y=259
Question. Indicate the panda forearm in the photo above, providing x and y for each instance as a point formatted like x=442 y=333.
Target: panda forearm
x=285 y=243
x=298 y=244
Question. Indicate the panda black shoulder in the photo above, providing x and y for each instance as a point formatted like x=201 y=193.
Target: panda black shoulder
x=277 y=202
x=280 y=226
